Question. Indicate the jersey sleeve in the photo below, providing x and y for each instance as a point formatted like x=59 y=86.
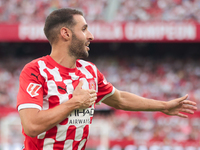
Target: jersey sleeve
x=105 y=89
x=30 y=94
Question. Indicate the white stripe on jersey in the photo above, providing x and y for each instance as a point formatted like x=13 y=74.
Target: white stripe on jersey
x=48 y=144
x=68 y=145
x=61 y=132
x=41 y=136
x=73 y=76
x=79 y=133
x=84 y=70
x=81 y=144
x=54 y=72
x=70 y=88
x=29 y=105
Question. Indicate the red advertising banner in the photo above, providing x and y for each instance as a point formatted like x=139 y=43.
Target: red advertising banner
x=112 y=32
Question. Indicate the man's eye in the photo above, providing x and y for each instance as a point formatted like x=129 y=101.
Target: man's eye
x=84 y=29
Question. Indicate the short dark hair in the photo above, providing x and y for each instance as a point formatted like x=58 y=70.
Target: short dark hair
x=57 y=19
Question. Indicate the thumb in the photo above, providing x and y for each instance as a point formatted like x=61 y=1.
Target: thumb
x=183 y=98
x=80 y=84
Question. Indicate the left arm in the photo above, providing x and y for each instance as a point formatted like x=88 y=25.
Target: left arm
x=131 y=102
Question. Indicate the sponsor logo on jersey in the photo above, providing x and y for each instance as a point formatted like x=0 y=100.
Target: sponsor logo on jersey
x=32 y=74
x=83 y=112
x=64 y=89
x=81 y=116
x=33 y=88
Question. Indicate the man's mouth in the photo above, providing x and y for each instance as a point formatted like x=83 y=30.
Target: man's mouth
x=87 y=45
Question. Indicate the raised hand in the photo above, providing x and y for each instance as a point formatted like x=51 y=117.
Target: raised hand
x=84 y=98
x=176 y=106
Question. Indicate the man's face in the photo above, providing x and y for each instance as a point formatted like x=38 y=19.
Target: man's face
x=81 y=38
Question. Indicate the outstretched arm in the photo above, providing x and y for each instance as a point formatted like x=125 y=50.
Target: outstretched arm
x=131 y=102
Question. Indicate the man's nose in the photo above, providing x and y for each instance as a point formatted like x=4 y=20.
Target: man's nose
x=90 y=36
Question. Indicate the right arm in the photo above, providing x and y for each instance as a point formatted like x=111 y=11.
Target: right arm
x=35 y=121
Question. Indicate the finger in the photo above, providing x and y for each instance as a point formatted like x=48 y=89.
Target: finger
x=182 y=115
x=92 y=91
x=93 y=98
x=189 y=102
x=80 y=84
x=187 y=111
x=93 y=95
x=189 y=107
x=92 y=101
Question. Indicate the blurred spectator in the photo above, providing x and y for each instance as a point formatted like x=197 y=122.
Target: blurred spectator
x=35 y=11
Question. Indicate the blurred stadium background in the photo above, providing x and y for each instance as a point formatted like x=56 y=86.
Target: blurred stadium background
x=148 y=47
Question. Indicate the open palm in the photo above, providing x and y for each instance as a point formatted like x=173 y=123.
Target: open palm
x=179 y=106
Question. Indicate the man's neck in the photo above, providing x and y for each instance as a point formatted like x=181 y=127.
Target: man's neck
x=63 y=59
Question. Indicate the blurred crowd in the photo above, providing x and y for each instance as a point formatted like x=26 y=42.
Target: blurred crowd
x=148 y=129
x=158 y=10
x=162 y=79
x=10 y=69
x=35 y=11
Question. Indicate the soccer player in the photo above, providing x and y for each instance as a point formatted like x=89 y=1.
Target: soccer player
x=58 y=92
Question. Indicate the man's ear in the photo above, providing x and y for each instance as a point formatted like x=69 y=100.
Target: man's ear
x=65 y=33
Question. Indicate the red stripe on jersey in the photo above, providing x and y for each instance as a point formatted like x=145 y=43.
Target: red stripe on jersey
x=64 y=122
x=30 y=143
x=71 y=132
x=53 y=101
x=45 y=90
x=78 y=64
x=85 y=132
x=51 y=133
x=75 y=83
x=70 y=96
x=75 y=145
x=91 y=120
x=59 y=145
x=90 y=69
x=40 y=143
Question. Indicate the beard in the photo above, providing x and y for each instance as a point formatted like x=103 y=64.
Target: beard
x=77 y=48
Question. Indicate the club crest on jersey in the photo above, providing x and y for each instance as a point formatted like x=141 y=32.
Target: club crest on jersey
x=33 y=88
x=92 y=85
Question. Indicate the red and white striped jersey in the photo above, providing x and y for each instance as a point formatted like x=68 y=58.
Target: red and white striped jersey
x=45 y=84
